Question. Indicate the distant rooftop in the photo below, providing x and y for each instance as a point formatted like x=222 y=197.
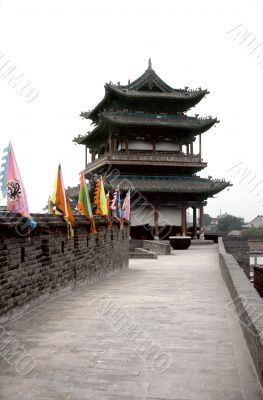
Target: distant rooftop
x=255 y=223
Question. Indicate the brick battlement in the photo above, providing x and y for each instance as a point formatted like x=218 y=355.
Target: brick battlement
x=36 y=265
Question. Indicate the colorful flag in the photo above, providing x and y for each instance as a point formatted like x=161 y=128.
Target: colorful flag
x=52 y=198
x=50 y=206
x=113 y=203
x=12 y=187
x=84 y=204
x=108 y=203
x=109 y=211
x=3 y=173
x=119 y=213
x=100 y=200
x=16 y=195
x=61 y=201
x=126 y=207
x=116 y=205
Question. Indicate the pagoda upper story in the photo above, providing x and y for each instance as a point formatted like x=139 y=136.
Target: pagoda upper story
x=149 y=92
x=143 y=127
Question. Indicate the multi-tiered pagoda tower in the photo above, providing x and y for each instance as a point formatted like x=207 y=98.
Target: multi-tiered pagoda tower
x=143 y=140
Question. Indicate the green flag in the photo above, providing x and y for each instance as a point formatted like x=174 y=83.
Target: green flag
x=84 y=204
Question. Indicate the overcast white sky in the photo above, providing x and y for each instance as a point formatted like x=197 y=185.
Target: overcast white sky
x=69 y=49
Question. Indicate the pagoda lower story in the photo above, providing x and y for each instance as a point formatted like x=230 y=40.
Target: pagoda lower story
x=160 y=204
x=144 y=142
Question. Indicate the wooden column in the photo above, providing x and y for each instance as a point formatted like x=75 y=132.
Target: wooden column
x=182 y=221
x=192 y=149
x=156 y=218
x=187 y=149
x=93 y=155
x=200 y=147
x=86 y=156
x=127 y=146
x=201 y=222
x=194 y=224
x=114 y=145
x=184 y=225
x=110 y=143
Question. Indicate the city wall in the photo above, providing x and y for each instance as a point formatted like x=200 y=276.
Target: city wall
x=246 y=305
x=36 y=265
x=239 y=248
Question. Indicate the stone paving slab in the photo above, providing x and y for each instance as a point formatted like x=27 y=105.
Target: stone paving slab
x=159 y=331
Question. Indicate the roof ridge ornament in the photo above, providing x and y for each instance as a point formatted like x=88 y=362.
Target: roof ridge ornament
x=150 y=63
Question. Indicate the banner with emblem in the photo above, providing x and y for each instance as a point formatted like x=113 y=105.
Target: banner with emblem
x=12 y=186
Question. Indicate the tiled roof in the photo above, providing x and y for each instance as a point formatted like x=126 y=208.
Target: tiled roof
x=159 y=120
x=151 y=79
x=183 y=123
x=174 y=184
x=255 y=223
x=148 y=86
x=178 y=99
x=175 y=94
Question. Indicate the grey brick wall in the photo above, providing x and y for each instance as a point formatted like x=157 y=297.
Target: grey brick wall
x=35 y=266
x=247 y=303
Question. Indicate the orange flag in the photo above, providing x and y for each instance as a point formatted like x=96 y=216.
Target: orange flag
x=62 y=202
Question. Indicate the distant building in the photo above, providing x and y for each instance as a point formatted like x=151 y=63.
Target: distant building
x=221 y=216
x=255 y=223
x=213 y=227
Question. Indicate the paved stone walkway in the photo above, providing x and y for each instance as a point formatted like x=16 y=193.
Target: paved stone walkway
x=158 y=331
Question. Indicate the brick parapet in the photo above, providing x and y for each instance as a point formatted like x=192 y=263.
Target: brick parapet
x=246 y=305
x=238 y=247
x=35 y=265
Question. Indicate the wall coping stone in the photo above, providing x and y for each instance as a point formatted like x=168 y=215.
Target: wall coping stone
x=248 y=305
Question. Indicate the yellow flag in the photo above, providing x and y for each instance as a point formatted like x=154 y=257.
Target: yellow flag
x=100 y=198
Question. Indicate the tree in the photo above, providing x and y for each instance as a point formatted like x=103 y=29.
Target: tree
x=229 y=223
x=207 y=220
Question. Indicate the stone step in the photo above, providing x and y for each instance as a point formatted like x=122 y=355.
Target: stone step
x=201 y=242
x=141 y=253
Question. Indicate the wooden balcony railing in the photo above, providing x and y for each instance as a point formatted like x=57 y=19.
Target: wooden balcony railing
x=158 y=157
